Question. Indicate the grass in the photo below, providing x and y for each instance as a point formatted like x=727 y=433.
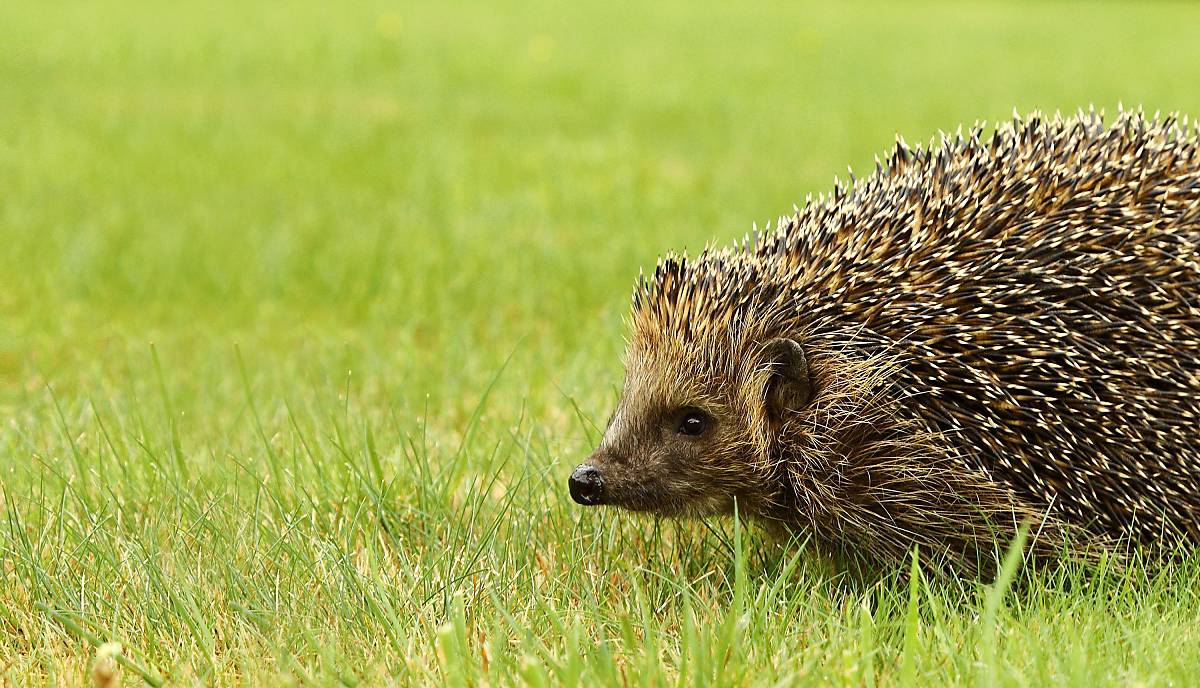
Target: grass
x=306 y=312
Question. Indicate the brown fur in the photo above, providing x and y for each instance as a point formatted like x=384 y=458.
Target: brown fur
x=1001 y=330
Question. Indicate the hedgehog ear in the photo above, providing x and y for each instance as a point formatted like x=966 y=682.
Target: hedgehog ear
x=790 y=387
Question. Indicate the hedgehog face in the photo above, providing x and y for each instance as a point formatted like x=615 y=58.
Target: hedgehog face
x=662 y=453
x=685 y=439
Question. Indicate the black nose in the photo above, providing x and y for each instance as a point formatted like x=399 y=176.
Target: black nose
x=587 y=487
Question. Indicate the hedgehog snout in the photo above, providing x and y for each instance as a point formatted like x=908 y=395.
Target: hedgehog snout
x=586 y=485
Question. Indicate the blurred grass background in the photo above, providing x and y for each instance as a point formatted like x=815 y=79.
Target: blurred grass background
x=306 y=310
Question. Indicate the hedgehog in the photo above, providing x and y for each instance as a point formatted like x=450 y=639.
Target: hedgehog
x=997 y=329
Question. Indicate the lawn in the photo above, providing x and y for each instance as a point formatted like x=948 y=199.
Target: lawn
x=307 y=310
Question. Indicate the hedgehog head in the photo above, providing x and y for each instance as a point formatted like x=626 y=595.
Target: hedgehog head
x=705 y=382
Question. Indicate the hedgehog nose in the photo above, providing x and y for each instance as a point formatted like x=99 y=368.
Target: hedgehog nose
x=587 y=487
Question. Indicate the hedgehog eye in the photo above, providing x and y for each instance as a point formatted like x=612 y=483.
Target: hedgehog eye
x=693 y=423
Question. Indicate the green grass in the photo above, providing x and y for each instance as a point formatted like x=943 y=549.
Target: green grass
x=305 y=314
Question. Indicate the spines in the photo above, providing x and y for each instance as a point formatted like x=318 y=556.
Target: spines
x=926 y=187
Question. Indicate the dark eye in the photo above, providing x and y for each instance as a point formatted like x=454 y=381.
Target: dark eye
x=693 y=423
